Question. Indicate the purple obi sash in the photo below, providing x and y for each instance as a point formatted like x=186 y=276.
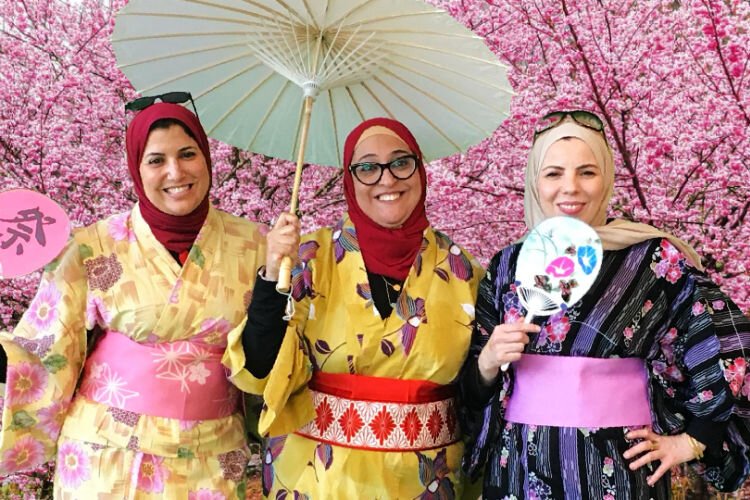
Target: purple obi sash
x=180 y=379
x=579 y=392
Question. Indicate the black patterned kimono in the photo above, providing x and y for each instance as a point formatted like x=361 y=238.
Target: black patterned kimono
x=647 y=302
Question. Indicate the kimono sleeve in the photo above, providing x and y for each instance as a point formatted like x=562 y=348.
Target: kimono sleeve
x=284 y=409
x=480 y=419
x=45 y=353
x=702 y=361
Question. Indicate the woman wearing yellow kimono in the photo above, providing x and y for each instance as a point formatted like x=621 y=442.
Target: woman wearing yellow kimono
x=145 y=411
x=360 y=400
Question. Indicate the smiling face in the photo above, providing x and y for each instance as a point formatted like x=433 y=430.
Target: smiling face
x=390 y=202
x=570 y=181
x=174 y=171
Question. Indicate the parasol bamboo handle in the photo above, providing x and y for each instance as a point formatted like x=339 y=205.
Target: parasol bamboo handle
x=285 y=271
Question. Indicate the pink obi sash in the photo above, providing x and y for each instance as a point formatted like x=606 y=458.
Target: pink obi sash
x=178 y=379
x=384 y=414
x=579 y=392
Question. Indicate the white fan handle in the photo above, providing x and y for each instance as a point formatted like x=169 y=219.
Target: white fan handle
x=528 y=319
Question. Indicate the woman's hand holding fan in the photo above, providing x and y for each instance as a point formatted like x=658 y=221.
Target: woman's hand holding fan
x=558 y=262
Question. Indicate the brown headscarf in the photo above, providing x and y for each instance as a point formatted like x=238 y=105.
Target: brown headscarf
x=617 y=234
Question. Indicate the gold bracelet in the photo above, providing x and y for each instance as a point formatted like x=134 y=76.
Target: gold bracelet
x=696 y=446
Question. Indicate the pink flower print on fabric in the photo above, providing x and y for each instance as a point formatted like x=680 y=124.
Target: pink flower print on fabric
x=734 y=373
x=26 y=453
x=108 y=386
x=557 y=328
x=43 y=311
x=702 y=397
x=152 y=474
x=698 y=308
x=26 y=383
x=213 y=332
x=182 y=362
x=52 y=417
x=119 y=228
x=670 y=263
x=205 y=494
x=628 y=333
x=96 y=313
x=73 y=466
x=512 y=315
x=670 y=253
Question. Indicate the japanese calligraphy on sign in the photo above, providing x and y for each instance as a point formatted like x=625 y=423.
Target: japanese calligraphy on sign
x=33 y=230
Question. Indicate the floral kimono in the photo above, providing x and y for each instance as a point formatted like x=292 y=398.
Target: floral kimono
x=323 y=448
x=112 y=308
x=647 y=303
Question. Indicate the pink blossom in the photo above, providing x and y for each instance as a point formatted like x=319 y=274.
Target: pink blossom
x=52 y=417
x=119 y=228
x=512 y=315
x=44 y=311
x=152 y=474
x=26 y=383
x=647 y=305
x=25 y=453
x=628 y=332
x=73 y=466
x=698 y=308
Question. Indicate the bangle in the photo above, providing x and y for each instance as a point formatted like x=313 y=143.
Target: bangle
x=696 y=445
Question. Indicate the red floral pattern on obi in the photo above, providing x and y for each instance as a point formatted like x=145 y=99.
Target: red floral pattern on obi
x=376 y=425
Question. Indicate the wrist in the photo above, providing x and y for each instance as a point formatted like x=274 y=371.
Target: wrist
x=697 y=447
x=487 y=375
x=265 y=275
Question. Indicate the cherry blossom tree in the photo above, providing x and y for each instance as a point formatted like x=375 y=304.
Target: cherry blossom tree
x=670 y=79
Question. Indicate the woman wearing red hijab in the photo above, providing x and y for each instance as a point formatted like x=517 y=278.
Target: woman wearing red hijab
x=359 y=402
x=147 y=410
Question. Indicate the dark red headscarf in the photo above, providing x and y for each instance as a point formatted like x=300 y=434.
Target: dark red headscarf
x=176 y=233
x=390 y=252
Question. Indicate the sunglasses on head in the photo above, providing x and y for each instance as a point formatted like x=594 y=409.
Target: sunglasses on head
x=583 y=118
x=142 y=103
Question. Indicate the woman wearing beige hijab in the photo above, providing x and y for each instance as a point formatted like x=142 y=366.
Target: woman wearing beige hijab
x=651 y=360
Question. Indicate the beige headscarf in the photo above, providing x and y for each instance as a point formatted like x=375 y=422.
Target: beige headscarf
x=619 y=233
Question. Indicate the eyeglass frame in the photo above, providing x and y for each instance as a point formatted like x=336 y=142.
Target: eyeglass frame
x=572 y=114
x=174 y=97
x=383 y=167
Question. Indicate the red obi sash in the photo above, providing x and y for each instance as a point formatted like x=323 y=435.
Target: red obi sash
x=384 y=414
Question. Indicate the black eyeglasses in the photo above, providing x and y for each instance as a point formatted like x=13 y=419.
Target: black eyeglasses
x=370 y=173
x=171 y=97
x=581 y=117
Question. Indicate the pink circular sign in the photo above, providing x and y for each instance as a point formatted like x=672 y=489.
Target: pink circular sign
x=33 y=231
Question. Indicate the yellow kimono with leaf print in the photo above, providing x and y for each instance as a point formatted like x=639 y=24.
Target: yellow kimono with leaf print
x=115 y=276
x=337 y=329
